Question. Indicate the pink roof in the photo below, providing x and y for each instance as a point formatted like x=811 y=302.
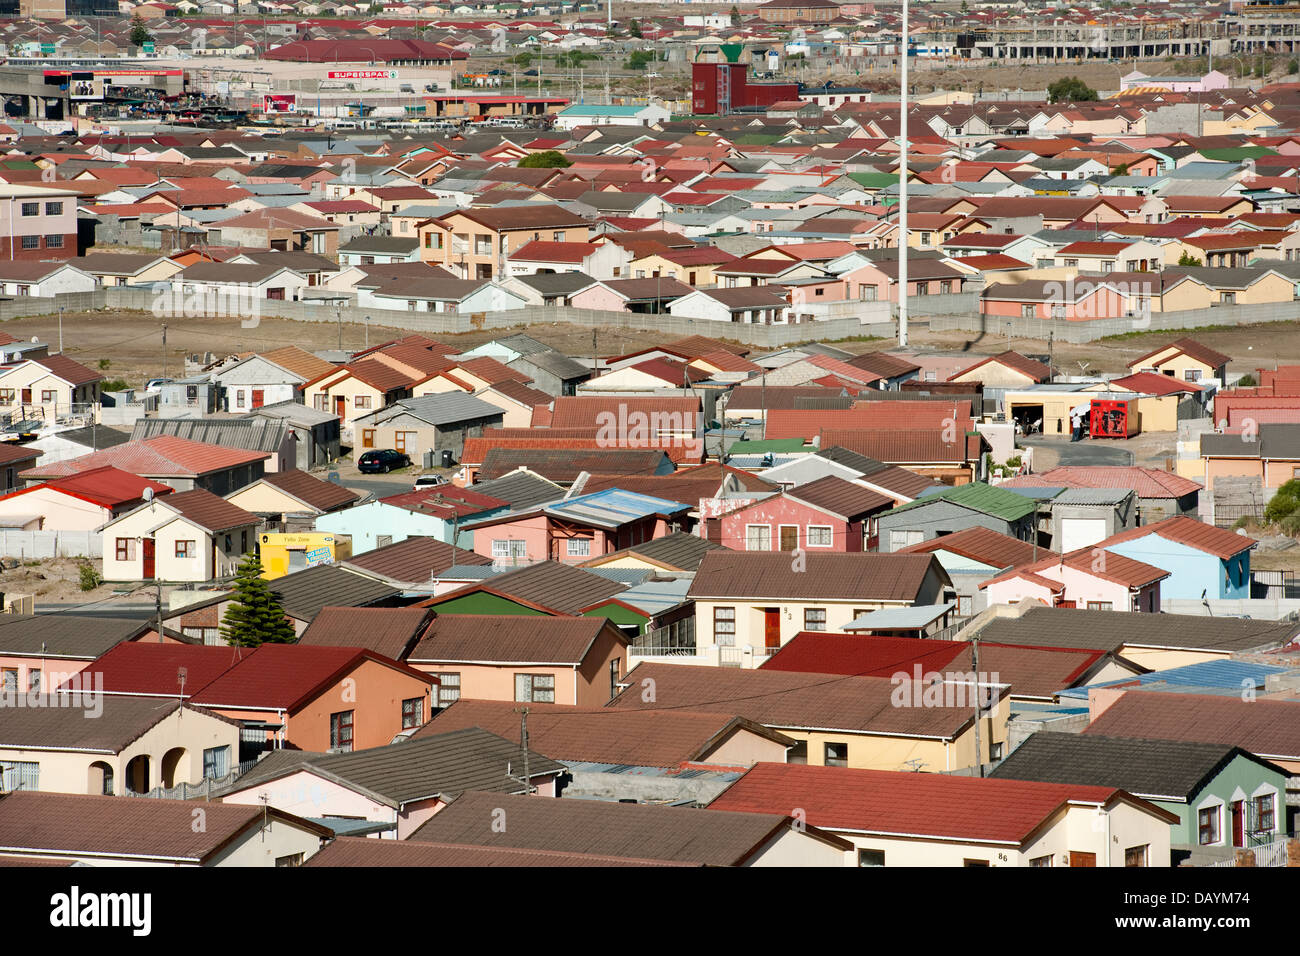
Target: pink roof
x=984 y=810
x=161 y=455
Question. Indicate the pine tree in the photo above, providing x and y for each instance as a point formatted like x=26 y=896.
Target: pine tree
x=140 y=34
x=255 y=616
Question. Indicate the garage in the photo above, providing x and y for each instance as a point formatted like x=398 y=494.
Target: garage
x=1081 y=533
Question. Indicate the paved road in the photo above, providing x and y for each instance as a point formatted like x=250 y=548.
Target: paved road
x=1090 y=451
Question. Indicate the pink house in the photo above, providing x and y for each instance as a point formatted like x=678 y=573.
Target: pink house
x=1089 y=578
x=574 y=530
x=829 y=514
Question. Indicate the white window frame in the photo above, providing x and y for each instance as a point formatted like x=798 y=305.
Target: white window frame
x=812 y=533
x=750 y=529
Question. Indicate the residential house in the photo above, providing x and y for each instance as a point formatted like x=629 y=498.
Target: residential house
x=292 y=500
x=80 y=502
x=829 y=512
x=1199 y=557
x=177 y=462
x=955 y=509
x=429 y=423
x=440 y=512
x=1089 y=577
x=478 y=243
x=184 y=536
x=48 y=388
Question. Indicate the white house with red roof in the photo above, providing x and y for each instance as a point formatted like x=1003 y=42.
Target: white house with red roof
x=600 y=260
x=47 y=387
x=80 y=502
x=184 y=536
x=930 y=819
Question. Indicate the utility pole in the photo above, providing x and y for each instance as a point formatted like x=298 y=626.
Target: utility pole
x=60 y=330
x=338 y=314
x=164 y=351
x=902 y=184
x=525 y=780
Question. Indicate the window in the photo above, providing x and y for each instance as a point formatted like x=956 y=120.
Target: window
x=818 y=536
x=54 y=242
x=1192 y=375
x=448 y=689
x=19 y=775
x=1071 y=263
x=814 y=619
x=614 y=675
x=185 y=549
x=31 y=209
x=341 y=730
x=1136 y=855
x=1100 y=606
x=216 y=762
x=509 y=549
x=945 y=287
x=47 y=396
x=412 y=712
x=578 y=547
x=1264 y=818
x=9 y=679
x=871 y=858
x=535 y=688
x=975 y=863
x=1041 y=860
x=362 y=401
x=925 y=238
x=31 y=242
x=125 y=549
x=1026 y=311
x=1207 y=824
x=33 y=681
x=293 y=859
x=724 y=626
x=758 y=537
x=837 y=755
x=53 y=209
x=6 y=396
x=923 y=288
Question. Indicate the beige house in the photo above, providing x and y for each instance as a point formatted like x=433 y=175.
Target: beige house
x=351 y=391
x=1185 y=359
x=477 y=243
x=97 y=743
x=48 y=387
x=929 y=819
x=185 y=536
x=122 y=269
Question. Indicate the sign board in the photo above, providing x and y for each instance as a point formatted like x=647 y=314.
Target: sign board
x=47 y=49
x=319 y=556
x=280 y=103
x=147 y=47
x=363 y=74
x=86 y=89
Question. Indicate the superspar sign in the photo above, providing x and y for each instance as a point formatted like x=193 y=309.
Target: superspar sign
x=363 y=74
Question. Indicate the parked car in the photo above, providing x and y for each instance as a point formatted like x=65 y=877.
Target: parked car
x=156 y=384
x=429 y=481
x=376 y=462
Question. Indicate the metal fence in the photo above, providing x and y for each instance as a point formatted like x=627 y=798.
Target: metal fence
x=36 y=545
x=1269 y=854
x=204 y=788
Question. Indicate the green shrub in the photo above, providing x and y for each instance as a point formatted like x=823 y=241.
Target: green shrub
x=89 y=577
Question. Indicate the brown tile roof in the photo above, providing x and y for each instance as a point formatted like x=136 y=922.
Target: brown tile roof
x=1266 y=728
x=380 y=375
x=300 y=362
x=74 y=824
x=1036 y=371
x=791 y=701
x=362 y=851
x=209 y=511
x=651 y=738
x=1219 y=542
x=307 y=488
x=676 y=834
x=121 y=721
x=984 y=545
x=519 y=392
x=390 y=631
x=413 y=561
x=511 y=638
x=864 y=576
x=565 y=464
x=899 y=446
x=1188 y=346
x=588 y=411
x=839 y=497
x=74 y=373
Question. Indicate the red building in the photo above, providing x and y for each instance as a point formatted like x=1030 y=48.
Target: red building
x=722 y=88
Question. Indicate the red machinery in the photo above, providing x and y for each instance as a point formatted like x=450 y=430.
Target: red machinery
x=1111 y=418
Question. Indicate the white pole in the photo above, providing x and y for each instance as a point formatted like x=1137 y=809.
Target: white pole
x=902 y=186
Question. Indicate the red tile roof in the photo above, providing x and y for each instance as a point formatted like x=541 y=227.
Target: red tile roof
x=982 y=544
x=1219 y=542
x=151 y=669
x=914 y=805
x=162 y=455
x=1147 y=482
x=106 y=486
x=1267 y=728
x=1153 y=383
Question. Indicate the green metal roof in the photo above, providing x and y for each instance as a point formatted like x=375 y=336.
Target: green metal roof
x=874 y=180
x=986 y=499
x=1234 y=154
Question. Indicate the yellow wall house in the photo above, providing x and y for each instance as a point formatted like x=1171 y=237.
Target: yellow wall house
x=47 y=387
x=929 y=819
x=873 y=723
x=285 y=553
x=140 y=743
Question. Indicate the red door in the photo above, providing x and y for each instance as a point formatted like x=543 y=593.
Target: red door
x=1238 y=824
x=147 y=550
x=772 y=627
x=259 y=397
x=341 y=407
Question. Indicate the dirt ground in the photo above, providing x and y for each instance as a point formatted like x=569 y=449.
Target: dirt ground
x=131 y=342
x=54 y=581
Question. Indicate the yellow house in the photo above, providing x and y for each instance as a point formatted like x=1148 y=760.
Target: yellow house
x=283 y=553
x=291 y=496
x=693 y=266
x=476 y=243
x=1185 y=359
x=65 y=749
x=360 y=388
x=48 y=387
x=120 y=269
x=873 y=723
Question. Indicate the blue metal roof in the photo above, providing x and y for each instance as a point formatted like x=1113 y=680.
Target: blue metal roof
x=1207 y=675
x=613 y=507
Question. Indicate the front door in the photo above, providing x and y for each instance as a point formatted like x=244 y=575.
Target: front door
x=27 y=396
x=341 y=407
x=259 y=397
x=1238 y=824
x=772 y=627
x=1082 y=859
x=789 y=537
x=147 y=553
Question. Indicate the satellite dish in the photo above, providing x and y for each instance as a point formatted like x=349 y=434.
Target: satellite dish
x=148 y=494
x=35 y=339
